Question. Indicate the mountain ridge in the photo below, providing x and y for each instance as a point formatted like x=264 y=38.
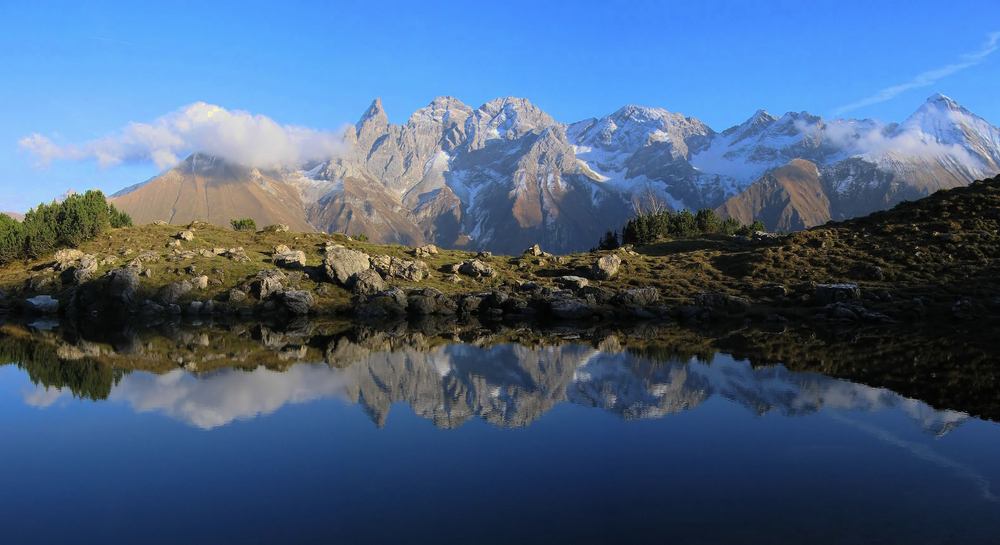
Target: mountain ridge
x=506 y=175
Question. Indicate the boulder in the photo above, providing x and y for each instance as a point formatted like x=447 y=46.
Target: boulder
x=238 y=255
x=236 y=296
x=185 y=235
x=280 y=249
x=290 y=260
x=297 y=301
x=571 y=282
x=600 y=296
x=476 y=269
x=194 y=308
x=535 y=250
x=425 y=251
x=393 y=267
x=41 y=304
x=366 y=282
x=392 y=302
x=605 y=267
x=123 y=284
x=837 y=293
x=722 y=302
x=469 y=304
x=66 y=257
x=85 y=270
x=277 y=228
x=639 y=297
x=173 y=292
x=264 y=287
x=571 y=309
x=200 y=282
x=341 y=264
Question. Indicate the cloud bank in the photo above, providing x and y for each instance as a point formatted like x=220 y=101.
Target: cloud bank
x=929 y=77
x=237 y=136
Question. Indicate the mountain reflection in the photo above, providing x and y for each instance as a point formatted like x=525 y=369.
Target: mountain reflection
x=508 y=385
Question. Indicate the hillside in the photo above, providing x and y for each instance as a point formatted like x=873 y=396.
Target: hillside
x=934 y=261
x=789 y=198
x=205 y=188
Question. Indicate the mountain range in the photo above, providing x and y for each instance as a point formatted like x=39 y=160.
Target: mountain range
x=506 y=175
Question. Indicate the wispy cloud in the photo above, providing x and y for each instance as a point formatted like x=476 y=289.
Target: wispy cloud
x=238 y=136
x=929 y=77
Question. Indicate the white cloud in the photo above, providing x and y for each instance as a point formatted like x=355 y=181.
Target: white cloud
x=237 y=136
x=929 y=77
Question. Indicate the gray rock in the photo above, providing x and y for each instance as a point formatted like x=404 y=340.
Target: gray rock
x=601 y=296
x=298 y=301
x=367 y=282
x=341 y=264
x=640 y=297
x=837 y=293
x=85 y=270
x=393 y=267
x=469 y=304
x=173 y=292
x=605 y=267
x=425 y=251
x=41 y=304
x=280 y=249
x=290 y=260
x=208 y=307
x=200 y=282
x=722 y=302
x=194 y=308
x=266 y=286
x=123 y=284
x=66 y=258
x=571 y=309
x=476 y=269
x=572 y=282
x=421 y=304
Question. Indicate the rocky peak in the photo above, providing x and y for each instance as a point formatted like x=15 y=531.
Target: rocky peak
x=758 y=123
x=374 y=115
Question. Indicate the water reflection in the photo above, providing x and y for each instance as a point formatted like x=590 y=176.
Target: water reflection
x=509 y=385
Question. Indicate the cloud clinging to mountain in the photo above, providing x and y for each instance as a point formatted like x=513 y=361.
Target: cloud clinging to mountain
x=238 y=136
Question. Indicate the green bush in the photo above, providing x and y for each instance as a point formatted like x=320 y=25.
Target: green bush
x=58 y=225
x=360 y=237
x=244 y=224
x=646 y=228
x=11 y=239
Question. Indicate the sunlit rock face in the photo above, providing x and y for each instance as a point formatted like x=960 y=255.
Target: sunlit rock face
x=507 y=385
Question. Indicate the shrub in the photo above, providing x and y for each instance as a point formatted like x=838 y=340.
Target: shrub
x=57 y=225
x=244 y=224
x=610 y=241
x=645 y=228
x=11 y=239
x=360 y=237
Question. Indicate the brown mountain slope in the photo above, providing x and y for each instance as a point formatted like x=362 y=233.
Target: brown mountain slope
x=789 y=198
x=14 y=215
x=209 y=189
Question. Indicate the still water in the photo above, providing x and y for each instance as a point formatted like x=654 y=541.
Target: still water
x=505 y=444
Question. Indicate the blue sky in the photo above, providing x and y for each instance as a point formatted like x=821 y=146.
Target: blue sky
x=75 y=73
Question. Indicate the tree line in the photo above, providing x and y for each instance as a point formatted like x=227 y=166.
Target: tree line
x=68 y=224
x=647 y=227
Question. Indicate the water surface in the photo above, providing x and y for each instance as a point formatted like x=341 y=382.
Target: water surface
x=509 y=443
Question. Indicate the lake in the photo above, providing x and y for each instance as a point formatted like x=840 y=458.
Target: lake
x=440 y=441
